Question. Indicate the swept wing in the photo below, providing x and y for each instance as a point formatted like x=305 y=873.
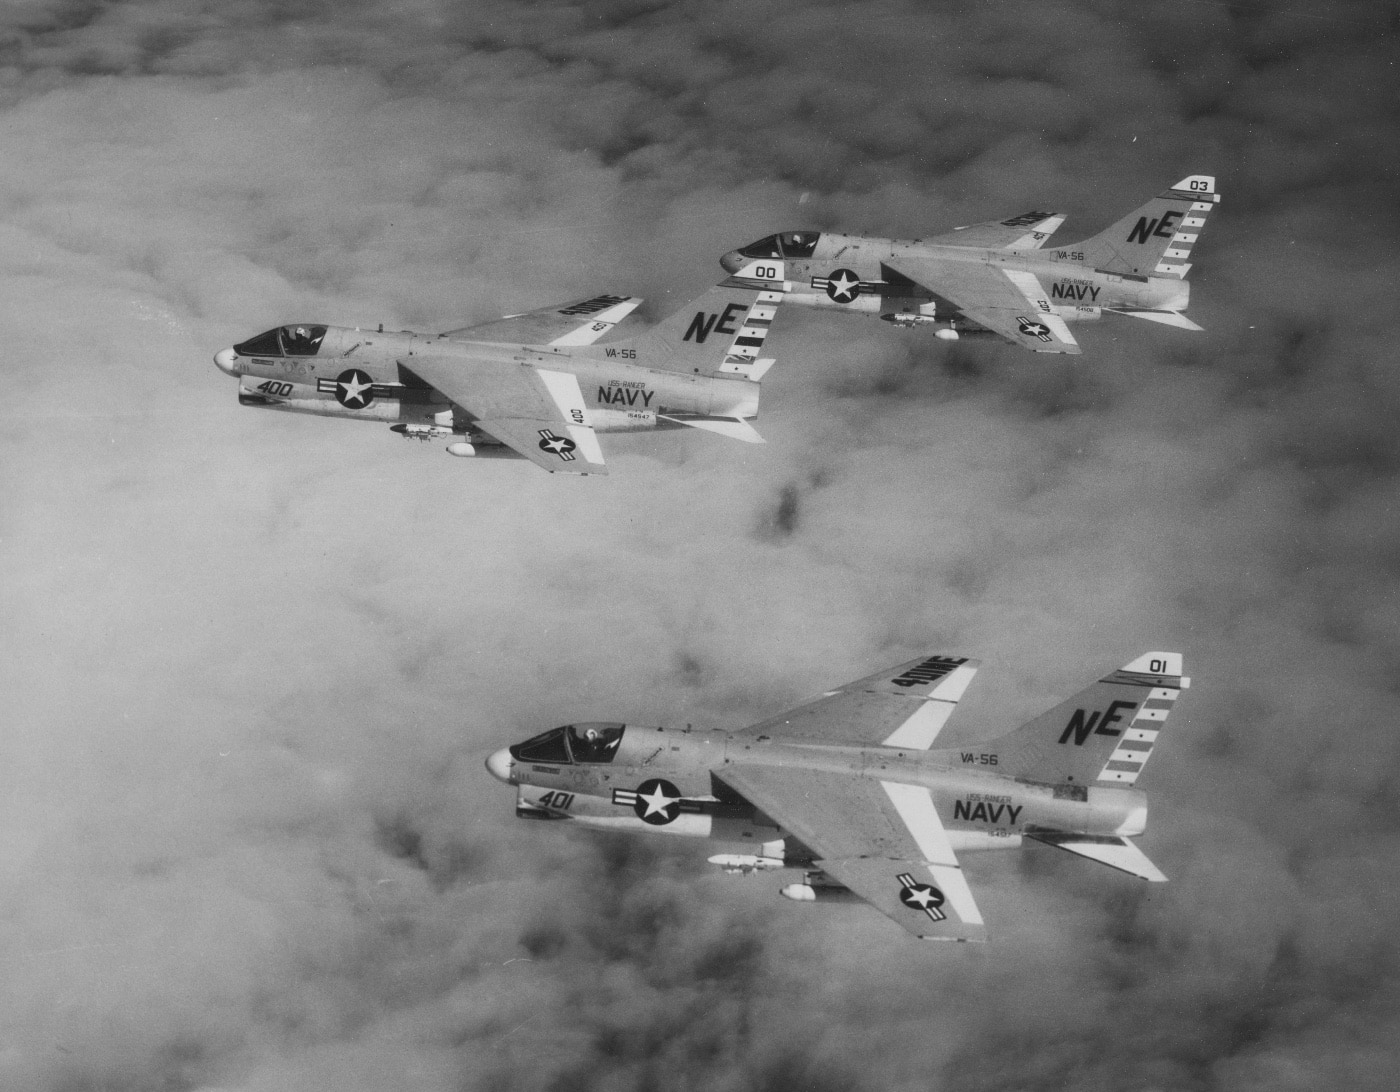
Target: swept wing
x=580 y=322
x=881 y=839
x=904 y=706
x=1011 y=303
x=1025 y=232
x=538 y=412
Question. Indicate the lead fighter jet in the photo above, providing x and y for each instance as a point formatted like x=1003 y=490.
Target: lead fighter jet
x=534 y=385
x=995 y=278
x=852 y=789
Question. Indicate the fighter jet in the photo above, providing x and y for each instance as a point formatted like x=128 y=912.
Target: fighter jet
x=533 y=385
x=995 y=278
x=851 y=788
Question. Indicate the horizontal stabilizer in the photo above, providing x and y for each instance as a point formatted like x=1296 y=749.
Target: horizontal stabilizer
x=1117 y=853
x=1166 y=318
x=734 y=427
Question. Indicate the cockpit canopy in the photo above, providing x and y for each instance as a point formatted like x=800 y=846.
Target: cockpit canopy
x=790 y=244
x=593 y=741
x=284 y=341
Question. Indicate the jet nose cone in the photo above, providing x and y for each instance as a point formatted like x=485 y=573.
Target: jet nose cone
x=225 y=360
x=501 y=766
x=732 y=262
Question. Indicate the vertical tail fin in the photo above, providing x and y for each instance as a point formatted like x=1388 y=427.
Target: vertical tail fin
x=718 y=334
x=1103 y=735
x=1155 y=239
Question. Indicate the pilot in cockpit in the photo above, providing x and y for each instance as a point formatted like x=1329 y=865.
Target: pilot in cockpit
x=302 y=340
x=792 y=245
x=594 y=742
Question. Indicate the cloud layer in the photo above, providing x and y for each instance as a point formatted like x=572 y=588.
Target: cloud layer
x=254 y=662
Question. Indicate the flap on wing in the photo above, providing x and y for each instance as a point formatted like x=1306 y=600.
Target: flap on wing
x=904 y=706
x=1025 y=232
x=580 y=322
x=1115 y=852
x=881 y=839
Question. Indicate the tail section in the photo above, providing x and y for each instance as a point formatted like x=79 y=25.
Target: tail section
x=1156 y=239
x=1103 y=735
x=718 y=334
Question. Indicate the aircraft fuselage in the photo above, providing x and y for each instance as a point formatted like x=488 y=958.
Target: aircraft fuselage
x=368 y=375
x=850 y=272
x=983 y=810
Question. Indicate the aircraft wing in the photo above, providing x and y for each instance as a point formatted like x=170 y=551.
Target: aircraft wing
x=581 y=322
x=904 y=706
x=1008 y=302
x=1025 y=232
x=538 y=412
x=881 y=839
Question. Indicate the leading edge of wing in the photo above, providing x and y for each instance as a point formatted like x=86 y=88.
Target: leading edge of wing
x=578 y=322
x=902 y=706
x=1029 y=231
x=881 y=839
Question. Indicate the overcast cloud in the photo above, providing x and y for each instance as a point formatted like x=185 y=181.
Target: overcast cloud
x=253 y=662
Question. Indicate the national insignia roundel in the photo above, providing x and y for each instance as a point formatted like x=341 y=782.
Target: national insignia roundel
x=354 y=389
x=658 y=802
x=1031 y=328
x=921 y=896
x=843 y=286
x=557 y=445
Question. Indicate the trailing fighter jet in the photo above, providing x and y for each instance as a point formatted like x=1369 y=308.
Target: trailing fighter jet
x=851 y=788
x=995 y=278
x=533 y=385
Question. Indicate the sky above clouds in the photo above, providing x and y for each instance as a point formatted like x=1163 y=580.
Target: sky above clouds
x=253 y=662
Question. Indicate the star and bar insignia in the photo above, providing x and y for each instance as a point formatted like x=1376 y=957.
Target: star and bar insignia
x=557 y=445
x=921 y=896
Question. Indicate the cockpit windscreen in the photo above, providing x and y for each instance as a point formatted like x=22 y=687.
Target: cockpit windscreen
x=589 y=742
x=790 y=244
x=284 y=341
x=545 y=747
